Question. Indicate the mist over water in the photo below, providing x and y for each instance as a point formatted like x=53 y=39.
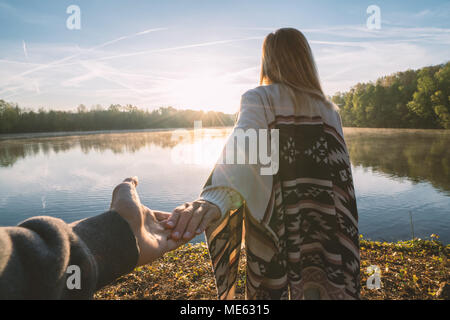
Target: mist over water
x=396 y=172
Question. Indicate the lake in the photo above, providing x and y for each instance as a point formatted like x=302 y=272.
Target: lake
x=399 y=174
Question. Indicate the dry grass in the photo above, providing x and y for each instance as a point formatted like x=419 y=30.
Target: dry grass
x=416 y=269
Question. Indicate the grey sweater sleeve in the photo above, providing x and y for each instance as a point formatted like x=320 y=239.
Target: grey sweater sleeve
x=35 y=256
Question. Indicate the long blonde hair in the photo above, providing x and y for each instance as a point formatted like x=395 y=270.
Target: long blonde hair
x=287 y=58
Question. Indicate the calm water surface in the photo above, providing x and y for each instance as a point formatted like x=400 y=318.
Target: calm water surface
x=396 y=172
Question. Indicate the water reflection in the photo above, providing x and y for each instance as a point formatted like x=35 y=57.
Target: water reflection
x=13 y=150
x=419 y=155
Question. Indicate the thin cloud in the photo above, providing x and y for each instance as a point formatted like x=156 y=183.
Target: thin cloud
x=195 y=45
x=56 y=62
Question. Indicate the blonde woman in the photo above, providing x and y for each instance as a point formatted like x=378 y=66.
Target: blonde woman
x=299 y=225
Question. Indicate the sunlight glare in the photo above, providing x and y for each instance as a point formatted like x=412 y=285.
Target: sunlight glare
x=205 y=90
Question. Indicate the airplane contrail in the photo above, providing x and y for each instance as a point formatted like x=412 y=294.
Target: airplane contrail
x=59 y=61
x=203 y=44
x=35 y=82
x=24 y=45
x=87 y=50
x=20 y=62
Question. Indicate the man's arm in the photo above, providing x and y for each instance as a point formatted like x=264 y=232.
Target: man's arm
x=36 y=254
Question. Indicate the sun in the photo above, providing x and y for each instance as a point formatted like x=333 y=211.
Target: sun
x=207 y=91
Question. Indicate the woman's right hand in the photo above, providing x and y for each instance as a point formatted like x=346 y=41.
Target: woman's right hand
x=192 y=219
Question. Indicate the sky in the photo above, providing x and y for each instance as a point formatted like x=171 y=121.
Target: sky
x=200 y=54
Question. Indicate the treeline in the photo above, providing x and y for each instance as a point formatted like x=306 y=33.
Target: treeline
x=14 y=119
x=410 y=99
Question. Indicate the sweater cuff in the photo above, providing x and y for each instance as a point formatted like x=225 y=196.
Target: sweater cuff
x=112 y=244
x=224 y=198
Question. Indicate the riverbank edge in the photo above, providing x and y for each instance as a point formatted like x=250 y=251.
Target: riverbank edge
x=56 y=134
x=409 y=270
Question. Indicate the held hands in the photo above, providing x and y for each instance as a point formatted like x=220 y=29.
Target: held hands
x=151 y=227
x=147 y=225
x=192 y=219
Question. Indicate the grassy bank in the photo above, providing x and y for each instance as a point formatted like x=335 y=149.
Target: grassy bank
x=416 y=269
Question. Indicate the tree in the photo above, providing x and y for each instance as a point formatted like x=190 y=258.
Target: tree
x=14 y=119
x=409 y=99
x=81 y=108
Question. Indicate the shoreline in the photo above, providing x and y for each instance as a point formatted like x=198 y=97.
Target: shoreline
x=32 y=135
x=410 y=270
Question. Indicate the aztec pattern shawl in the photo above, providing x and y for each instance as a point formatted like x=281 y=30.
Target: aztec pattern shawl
x=308 y=236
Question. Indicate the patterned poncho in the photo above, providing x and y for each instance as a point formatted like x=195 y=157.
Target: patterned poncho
x=299 y=226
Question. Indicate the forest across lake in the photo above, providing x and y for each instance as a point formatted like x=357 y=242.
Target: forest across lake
x=410 y=99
